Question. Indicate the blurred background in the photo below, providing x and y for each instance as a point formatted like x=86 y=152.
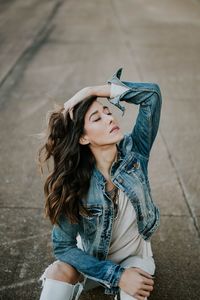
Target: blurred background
x=51 y=49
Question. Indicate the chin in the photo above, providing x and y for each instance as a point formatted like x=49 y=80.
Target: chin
x=120 y=135
x=118 y=138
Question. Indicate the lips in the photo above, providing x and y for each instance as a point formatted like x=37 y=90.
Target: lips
x=114 y=128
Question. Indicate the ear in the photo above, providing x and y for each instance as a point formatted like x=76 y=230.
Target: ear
x=84 y=140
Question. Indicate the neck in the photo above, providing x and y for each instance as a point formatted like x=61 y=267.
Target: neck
x=105 y=156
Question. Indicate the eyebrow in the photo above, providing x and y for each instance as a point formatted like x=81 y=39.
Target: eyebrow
x=96 y=111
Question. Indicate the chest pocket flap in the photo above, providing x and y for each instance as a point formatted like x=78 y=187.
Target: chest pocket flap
x=134 y=168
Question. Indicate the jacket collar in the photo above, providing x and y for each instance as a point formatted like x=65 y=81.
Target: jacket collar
x=99 y=176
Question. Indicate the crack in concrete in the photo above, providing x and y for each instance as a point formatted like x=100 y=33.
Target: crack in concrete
x=14 y=75
x=182 y=185
x=26 y=238
x=18 y=284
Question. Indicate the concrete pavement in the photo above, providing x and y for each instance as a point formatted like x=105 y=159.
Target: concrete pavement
x=51 y=49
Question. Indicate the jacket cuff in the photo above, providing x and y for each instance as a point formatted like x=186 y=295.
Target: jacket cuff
x=114 y=274
x=117 y=90
x=114 y=288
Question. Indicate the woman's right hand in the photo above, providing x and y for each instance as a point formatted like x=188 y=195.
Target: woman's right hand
x=136 y=283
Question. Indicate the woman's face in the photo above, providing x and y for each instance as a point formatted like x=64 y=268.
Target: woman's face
x=100 y=128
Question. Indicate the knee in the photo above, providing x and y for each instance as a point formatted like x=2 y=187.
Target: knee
x=63 y=272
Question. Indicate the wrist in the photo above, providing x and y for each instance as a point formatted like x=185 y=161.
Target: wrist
x=122 y=278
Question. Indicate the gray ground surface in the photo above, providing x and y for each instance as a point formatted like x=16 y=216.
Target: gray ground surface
x=51 y=49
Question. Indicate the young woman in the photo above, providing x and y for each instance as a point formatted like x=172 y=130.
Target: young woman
x=98 y=195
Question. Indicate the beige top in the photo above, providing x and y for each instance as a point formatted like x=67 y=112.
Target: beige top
x=126 y=240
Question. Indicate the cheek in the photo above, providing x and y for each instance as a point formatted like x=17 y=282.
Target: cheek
x=96 y=132
x=99 y=136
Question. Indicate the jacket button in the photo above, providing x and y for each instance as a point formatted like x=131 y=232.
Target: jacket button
x=136 y=165
x=121 y=180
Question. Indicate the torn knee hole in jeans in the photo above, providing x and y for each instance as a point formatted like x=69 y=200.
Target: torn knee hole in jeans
x=80 y=283
x=43 y=276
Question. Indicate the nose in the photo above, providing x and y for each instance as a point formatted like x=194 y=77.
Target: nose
x=109 y=118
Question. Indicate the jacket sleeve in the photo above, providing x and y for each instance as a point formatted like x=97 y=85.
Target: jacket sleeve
x=64 y=238
x=149 y=99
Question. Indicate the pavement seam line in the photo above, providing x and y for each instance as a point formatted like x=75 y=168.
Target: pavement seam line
x=179 y=179
x=181 y=184
x=30 y=50
x=25 y=239
x=18 y=284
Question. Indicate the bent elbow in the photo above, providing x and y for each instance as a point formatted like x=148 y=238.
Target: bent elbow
x=157 y=90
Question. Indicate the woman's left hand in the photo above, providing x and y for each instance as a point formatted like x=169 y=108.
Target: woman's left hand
x=78 y=97
x=83 y=94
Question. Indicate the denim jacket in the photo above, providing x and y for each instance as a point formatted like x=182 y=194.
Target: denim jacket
x=130 y=174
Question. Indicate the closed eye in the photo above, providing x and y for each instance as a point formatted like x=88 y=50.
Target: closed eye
x=99 y=118
x=105 y=111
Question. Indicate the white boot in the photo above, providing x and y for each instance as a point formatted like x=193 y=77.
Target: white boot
x=59 y=290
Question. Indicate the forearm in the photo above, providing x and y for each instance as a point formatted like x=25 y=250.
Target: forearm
x=64 y=239
x=101 y=90
x=86 y=93
x=137 y=92
x=104 y=271
x=140 y=92
x=148 y=97
x=81 y=95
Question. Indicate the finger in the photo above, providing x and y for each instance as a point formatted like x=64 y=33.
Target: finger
x=68 y=109
x=145 y=274
x=71 y=113
x=137 y=296
x=147 y=281
x=147 y=288
x=143 y=293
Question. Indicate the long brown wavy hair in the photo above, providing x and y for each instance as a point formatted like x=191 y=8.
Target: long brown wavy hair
x=68 y=181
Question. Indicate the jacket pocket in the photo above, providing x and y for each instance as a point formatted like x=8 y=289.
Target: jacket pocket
x=91 y=222
x=134 y=168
